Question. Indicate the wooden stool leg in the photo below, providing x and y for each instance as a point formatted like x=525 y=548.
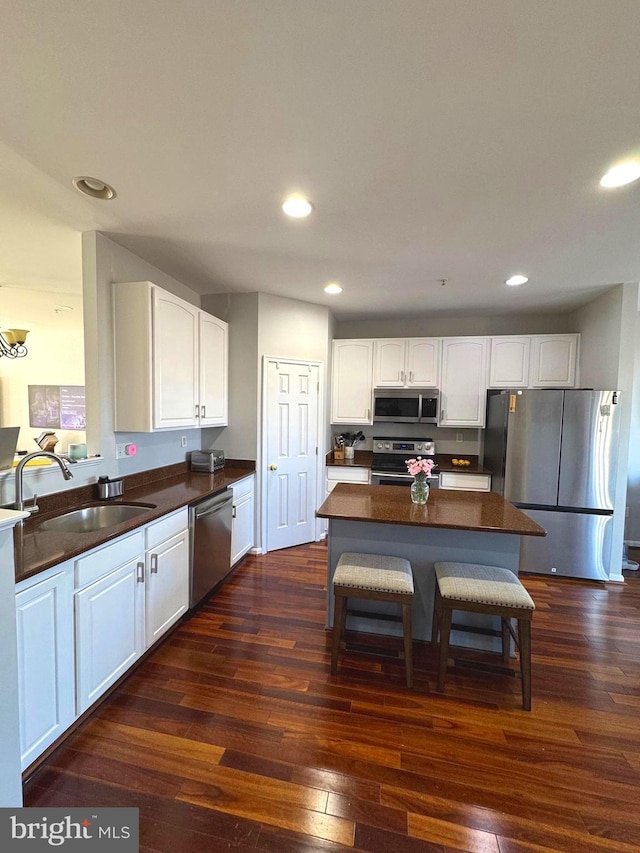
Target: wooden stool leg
x=506 y=637
x=339 y=619
x=445 y=630
x=437 y=609
x=408 y=642
x=524 y=635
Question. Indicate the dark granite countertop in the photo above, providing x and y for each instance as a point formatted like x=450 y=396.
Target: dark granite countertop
x=167 y=488
x=444 y=461
x=362 y=459
x=456 y=510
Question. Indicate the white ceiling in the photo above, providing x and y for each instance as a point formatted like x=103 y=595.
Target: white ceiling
x=437 y=139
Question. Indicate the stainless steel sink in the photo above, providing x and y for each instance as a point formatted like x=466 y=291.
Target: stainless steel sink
x=92 y=518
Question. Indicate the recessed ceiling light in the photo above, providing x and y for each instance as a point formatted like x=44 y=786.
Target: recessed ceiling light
x=94 y=187
x=332 y=287
x=621 y=174
x=515 y=280
x=297 y=207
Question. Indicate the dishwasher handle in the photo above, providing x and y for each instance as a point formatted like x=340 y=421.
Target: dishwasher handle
x=212 y=506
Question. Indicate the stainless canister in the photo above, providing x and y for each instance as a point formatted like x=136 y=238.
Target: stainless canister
x=108 y=489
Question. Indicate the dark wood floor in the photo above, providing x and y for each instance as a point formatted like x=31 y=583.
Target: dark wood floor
x=233 y=735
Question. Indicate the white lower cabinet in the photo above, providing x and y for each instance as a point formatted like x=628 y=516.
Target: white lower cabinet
x=44 y=616
x=167 y=584
x=243 y=518
x=83 y=623
x=465 y=482
x=346 y=474
x=343 y=474
x=109 y=615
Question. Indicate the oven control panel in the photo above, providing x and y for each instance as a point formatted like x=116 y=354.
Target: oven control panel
x=390 y=445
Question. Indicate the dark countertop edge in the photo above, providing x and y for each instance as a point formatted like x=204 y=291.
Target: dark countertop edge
x=364 y=459
x=392 y=493
x=438 y=525
x=178 y=488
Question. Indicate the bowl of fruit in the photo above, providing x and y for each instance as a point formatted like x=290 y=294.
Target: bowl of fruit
x=461 y=462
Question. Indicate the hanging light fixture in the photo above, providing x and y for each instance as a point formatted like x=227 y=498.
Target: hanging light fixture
x=12 y=343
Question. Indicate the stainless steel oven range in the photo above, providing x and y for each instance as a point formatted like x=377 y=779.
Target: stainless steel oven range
x=389 y=461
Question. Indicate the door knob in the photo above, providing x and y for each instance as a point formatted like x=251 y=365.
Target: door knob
x=273 y=467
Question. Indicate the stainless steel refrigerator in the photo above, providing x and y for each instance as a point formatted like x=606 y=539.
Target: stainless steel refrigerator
x=552 y=453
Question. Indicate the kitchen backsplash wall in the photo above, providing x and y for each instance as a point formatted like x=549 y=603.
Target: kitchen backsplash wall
x=446 y=440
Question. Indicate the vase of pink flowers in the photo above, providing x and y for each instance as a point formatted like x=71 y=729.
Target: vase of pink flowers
x=420 y=469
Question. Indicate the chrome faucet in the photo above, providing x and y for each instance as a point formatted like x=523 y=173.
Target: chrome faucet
x=66 y=473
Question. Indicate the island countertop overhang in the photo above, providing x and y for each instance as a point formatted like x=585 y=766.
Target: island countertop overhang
x=452 y=510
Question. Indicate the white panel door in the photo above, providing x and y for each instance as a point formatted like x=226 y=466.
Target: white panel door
x=291 y=407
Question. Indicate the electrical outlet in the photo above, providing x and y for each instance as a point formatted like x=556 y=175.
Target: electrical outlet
x=459 y=437
x=183 y=441
x=121 y=452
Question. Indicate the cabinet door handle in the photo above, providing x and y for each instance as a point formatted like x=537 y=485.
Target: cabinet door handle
x=140 y=575
x=154 y=564
x=233 y=512
x=197 y=410
x=411 y=376
x=203 y=411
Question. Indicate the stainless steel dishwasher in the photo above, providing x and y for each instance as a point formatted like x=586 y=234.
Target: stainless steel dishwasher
x=210 y=524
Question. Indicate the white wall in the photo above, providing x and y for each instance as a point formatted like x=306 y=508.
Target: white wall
x=240 y=439
x=599 y=324
x=56 y=357
x=104 y=262
x=262 y=325
x=417 y=327
x=608 y=329
x=632 y=528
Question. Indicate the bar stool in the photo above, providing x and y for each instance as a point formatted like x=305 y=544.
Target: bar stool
x=484 y=589
x=378 y=578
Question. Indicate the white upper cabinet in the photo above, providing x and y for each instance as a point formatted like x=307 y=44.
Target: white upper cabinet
x=462 y=368
x=509 y=361
x=352 y=376
x=463 y=382
x=406 y=362
x=553 y=361
x=174 y=362
x=389 y=356
x=423 y=362
x=214 y=370
x=171 y=361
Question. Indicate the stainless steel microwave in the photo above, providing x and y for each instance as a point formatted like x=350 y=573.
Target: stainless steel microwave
x=406 y=405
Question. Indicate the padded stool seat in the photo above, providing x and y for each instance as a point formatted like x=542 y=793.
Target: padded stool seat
x=378 y=578
x=484 y=589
